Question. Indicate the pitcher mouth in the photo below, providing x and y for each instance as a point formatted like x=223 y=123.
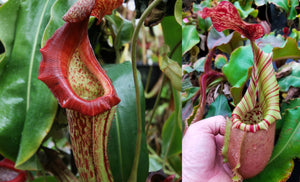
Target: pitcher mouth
x=67 y=51
x=252 y=117
x=255 y=119
x=251 y=120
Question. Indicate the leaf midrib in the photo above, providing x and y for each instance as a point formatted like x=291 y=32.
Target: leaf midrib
x=119 y=143
x=32 y=55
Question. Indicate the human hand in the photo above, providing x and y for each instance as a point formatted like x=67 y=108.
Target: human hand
x=201 y=152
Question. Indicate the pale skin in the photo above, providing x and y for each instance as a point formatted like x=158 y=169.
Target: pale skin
x=201 y=152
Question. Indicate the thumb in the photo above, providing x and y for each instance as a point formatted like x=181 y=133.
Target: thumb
x=213 y=125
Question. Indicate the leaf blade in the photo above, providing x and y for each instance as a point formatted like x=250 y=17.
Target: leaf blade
x=30 y=141
x=289 y=50
x=241 y=72
x=219 y=107
x=291 y=80
x=19 y=75
x=191 y=37
x=125 y=125
x=7 y=30
x=287 y=146
x=171 y=29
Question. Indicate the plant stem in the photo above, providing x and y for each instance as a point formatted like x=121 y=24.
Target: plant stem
x=155 y=105
x=177 y=123
x=148 y=78
x=134 y=170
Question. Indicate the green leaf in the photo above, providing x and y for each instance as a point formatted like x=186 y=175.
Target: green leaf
x=295 y=34
x=172 y=131
x=170 y=68
x=20 y=91
x=57 y=11
x=278 y=171
x=260 y=2
x=188 y=94
x=122 y=28
x=32 y=164
x=169 y=145
x=220 y=61
x=240 y=64
x=235 y=41
x=8 y=14
x=270 y=40
x=291 y=104
x=178 y=108
x=203 y=24
x=171 y=139
x=190 y=118
x=291 y=80
x=41 y=118
x=45 y=178
x=154 y=163
x=187 y=69
x=287 y=147
x=171 y=31
x=122 y=136
x=219 y=107
x=178 y=12
x=199 y=64
x=225 y=43
x=190 y=39
x=176 y=163
x=246 y=9
x=216 y=38
x=290 y=50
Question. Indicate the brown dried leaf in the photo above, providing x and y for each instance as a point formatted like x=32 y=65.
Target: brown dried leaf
x=293 y=92
x=284 y=72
